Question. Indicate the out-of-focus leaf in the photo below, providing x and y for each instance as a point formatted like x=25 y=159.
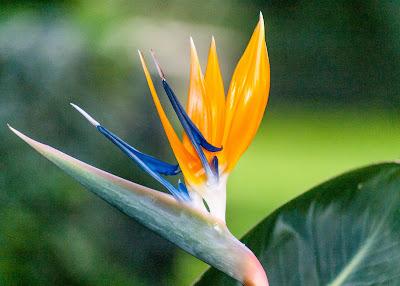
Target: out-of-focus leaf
x=343 y=232
x=196 y=232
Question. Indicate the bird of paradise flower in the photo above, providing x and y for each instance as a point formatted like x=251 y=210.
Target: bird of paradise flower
x=217 y=130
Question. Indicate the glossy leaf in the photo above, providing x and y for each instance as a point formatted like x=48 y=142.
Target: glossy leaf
x=343 y=232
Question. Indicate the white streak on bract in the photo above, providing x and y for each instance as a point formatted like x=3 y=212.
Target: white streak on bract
x=160 y=71
x=86 y=115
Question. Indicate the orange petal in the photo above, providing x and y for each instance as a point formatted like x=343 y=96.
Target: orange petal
x=247 y=97
x=189 y=164
x=215 y=94
x=206 y=102
x=197 y=105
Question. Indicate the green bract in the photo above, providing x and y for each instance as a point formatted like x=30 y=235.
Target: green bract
x=199 y=233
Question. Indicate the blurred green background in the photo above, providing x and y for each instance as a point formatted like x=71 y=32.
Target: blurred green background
x=334 y=105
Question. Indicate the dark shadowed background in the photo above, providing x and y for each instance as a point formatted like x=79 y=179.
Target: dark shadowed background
x=334 y=105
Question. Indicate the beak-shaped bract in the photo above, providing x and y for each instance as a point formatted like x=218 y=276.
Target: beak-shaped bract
x=197 y=232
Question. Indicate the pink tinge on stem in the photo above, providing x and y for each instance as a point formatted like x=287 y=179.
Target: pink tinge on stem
x=254 y=273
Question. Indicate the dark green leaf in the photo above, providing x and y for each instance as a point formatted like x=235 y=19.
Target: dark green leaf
x=343 y=232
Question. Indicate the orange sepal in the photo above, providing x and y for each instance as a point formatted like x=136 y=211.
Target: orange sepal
x=189 y=164
x=247 y=97
x=197 y=106
x=215 y=94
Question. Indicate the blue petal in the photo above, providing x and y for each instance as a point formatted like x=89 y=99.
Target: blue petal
x=149 y=164
x=191 y=130
x=215 y=166
x=154 y=163
x=182 y=188
x=182 y=115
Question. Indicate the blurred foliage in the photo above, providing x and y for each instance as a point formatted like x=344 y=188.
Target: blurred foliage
x=334 y=105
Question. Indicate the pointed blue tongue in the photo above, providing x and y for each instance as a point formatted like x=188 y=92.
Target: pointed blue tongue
x=195 y=136
x=151 y=165
x=155 y=164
